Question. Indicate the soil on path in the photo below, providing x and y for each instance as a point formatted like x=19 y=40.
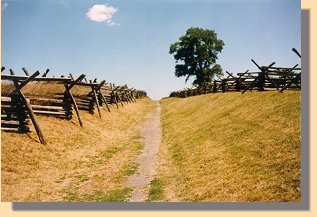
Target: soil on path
x=151 y=134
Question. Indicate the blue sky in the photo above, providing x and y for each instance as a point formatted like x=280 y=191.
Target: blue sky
x=127 y=41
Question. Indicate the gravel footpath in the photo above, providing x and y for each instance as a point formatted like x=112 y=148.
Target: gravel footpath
x=151 y=134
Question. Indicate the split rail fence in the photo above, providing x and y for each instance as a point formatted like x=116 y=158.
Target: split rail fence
x=267 y=78
x=25 y=97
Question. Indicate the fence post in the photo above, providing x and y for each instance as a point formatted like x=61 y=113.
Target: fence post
x=33 y=119
x=214 y=88
x=261 y=80
x=223 y=85
x=96 y=98
x=27 y=104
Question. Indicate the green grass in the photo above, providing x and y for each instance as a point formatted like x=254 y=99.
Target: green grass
x=156 y=190
x=126 y=170
x=119 y=195
x=231 y=147
x=104 y=155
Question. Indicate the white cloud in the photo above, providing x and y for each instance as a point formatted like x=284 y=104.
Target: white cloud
x=4 y=6
x=102 y=13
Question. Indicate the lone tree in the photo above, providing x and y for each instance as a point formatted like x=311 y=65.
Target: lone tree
x=196 y=54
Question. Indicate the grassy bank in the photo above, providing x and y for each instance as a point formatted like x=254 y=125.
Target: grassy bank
x=231 y=147
x=77 y=164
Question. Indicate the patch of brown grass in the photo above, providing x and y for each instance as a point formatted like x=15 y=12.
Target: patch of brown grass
x=231 y=147
x=44 y=88
x=6 y=88
x=77 y=164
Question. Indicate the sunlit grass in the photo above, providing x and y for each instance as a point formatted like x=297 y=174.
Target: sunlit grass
x=119 y=195
x=90 y=163
x=231 y=147
x=156 y=190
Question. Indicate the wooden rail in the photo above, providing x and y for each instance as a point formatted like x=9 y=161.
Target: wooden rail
x=23 y=97
x=267 y=78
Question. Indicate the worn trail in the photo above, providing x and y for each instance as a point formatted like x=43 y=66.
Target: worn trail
x=151 y=134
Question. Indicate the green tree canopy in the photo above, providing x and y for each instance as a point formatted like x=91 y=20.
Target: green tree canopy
x=196 y=53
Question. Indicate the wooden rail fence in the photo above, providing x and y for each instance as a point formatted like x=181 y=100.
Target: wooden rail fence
x=267 y=78
x=24 y=97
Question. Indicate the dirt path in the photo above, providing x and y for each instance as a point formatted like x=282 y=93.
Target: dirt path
x=151 y=134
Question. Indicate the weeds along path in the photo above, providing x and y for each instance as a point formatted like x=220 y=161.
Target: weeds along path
x=151 y=134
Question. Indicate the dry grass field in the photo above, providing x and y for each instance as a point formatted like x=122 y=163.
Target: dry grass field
x=216 y=147
x=77 y=164
x=230 y=147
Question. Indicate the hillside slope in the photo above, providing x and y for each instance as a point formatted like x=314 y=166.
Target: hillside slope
x=77 y=164
x=231 y=147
